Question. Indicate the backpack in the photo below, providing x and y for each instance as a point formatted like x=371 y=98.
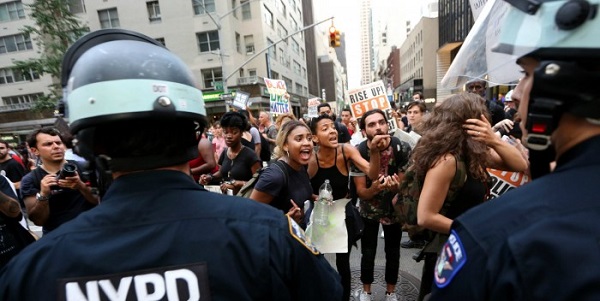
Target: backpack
x=247 y=189
x=408 y=199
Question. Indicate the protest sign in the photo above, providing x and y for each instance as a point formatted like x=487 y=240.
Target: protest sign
x=313 y=103
x=279 y=98
x=368 y=97
x=241 y=100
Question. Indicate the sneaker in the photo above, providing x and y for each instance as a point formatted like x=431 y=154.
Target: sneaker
x=411 y=244
x=391 y=297
x=364 y=296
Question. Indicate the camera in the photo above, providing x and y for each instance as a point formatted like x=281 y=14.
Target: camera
x=68 y=170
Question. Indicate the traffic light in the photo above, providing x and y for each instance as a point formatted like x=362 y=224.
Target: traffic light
x=338 y=43
x=332 y=36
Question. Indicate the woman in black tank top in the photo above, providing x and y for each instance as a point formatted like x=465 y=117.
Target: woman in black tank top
x=331 y=161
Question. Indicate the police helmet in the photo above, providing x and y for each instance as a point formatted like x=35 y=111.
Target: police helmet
x=561 y=34
x=115 y=74
x=113 y=77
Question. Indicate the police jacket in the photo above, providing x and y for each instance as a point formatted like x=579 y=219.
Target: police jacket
x=158 y=235
x=537 y=242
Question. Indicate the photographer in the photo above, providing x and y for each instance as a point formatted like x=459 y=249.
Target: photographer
x=54 y=192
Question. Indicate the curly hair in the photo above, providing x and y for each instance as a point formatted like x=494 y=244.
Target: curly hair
x=443 y=133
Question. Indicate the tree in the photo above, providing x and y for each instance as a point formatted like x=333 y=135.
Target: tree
x=56 y=28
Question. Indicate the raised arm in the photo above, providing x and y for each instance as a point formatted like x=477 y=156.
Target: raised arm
x=370 y=168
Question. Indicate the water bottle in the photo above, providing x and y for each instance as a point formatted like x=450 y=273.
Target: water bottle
x=323 y=204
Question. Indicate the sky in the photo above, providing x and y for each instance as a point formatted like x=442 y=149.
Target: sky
x=347 y=20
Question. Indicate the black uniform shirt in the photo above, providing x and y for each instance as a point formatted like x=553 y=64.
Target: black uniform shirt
x=537 y=242
x=159 y=234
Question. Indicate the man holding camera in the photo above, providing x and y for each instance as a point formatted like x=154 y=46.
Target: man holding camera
x=54 y=192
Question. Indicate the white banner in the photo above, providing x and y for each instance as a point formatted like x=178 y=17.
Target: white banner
x=332 y=238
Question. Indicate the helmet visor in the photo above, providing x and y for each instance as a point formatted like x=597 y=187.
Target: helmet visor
x=503 y=33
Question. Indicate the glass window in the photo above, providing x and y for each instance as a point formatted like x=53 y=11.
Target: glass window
x=281 y=7
x=208 y=41
x=109 y=18
x=210 y=76
x=251 y=72
x=272 y=50
x=297 y=68
x=203 y=6
x=19 y=42
x=282 y=31
x=153 y=11
x=249 y=42
x=274 y=75
x=295 y=46
x=246 y=12
x=76 y=6
x=268 y=17
x=238 y=42
x=11 y=11
x=233 y=6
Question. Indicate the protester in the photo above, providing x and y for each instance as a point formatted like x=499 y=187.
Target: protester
x=282 y=119
x=286 y=185
x=539 y=241
x=205 y=161
x=343 y=134
x=218 y=140
x=332 y=162
x=376 y=201
x=237 y=163
x=457 y=141
x=157 y=234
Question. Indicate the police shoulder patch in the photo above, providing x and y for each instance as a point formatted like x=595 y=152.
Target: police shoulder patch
x=298 y=233
x=451 y=259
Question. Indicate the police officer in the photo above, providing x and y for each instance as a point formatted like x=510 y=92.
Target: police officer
x=540 y=241
x=133 y=107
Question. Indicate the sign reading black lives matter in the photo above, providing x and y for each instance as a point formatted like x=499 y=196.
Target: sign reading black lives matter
x=368 y=97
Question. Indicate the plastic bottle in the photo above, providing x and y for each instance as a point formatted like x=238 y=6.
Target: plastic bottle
x=323 y=204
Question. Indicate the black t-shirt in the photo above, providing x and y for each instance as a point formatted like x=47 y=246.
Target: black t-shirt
x=65 y=204
x=239 y=168
x=14 y=170
x=273 y=182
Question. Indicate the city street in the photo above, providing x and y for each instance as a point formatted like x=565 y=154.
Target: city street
x=409 y=275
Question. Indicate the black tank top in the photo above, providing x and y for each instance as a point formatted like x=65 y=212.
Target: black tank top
x=337 y=180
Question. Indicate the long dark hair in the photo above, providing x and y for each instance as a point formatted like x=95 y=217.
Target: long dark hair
x=443 y=133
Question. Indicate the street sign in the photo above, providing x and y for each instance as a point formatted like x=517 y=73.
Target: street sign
x=226 y=96
x=218 y=85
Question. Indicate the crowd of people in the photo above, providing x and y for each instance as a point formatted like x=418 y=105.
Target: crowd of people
x=157 y=229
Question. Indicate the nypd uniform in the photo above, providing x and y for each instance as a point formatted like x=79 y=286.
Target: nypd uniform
x=538 y=242
x=159 y=236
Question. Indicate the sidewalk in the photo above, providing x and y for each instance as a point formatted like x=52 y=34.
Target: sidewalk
x=409 y=275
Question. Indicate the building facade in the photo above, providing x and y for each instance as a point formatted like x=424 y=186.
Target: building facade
x=418 y=61
x=222 y=42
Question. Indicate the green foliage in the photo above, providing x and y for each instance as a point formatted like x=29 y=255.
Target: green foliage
x=55 y=30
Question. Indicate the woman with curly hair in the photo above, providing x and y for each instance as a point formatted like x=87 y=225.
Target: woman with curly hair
x=457 y=140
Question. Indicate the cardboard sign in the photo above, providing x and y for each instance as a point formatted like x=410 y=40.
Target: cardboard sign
x=313 y=103
x=279 y=98
x=241 y=100
x=369 y=97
